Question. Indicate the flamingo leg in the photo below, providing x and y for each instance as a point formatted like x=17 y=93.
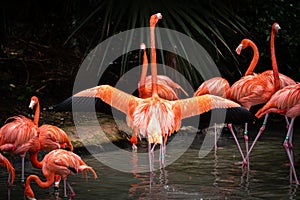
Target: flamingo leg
x=73 y=194
x=8 y=180
x=151 y=156
x=247 y=146
x=215 y=142
x=163 y=151
x=236 y=141
x=288 y=148
x=287 y=122
x=22 y=176
x=65 y=190
x=262 y=128
x=291 y=152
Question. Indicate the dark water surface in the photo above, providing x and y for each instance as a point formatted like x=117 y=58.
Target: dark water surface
x=216 y=176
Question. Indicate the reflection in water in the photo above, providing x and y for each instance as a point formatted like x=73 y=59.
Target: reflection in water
x=215 y=176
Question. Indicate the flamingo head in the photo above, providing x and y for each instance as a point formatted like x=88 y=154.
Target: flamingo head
x=276 y=27
x=244 y=43
x=154 y=19
x=34 y=100
x=142 y=46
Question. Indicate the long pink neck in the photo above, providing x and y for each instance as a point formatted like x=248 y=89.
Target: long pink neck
x=144 y=69
x=49 y=180
x=153 y=60
x=34 y=160
x=274 y=62
x=37 y=114
x=254 y=59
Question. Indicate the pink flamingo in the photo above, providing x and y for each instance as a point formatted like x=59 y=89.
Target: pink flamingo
x=59 y=162
x=285 y=101
x=157 y=118
x=257 y=88
x=167 y=89
x=19 y=137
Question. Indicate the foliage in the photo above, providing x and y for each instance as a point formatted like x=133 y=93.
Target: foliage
x=259 y=16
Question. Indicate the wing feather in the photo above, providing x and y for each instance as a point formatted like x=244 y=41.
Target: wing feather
x=110 y=95
x=200 y=104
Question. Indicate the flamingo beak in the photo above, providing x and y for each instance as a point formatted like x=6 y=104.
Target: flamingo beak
x=239 y=49
x=32 y=103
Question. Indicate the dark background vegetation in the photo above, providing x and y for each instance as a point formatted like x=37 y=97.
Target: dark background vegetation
x=44 y=42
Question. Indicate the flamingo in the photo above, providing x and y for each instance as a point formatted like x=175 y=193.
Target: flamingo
x=215 y=86
x=50 y=138
x=60 y=162
x=5 y=163
x=167 y=89
x=156 y=118
x=285 y=101
x=19 y=137
x=254 y=89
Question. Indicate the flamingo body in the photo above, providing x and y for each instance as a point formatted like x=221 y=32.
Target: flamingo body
x=21 y=135
x=216 y=86
x=285 y=102
x=59 y=162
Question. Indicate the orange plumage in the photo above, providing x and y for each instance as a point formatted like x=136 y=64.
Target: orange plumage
x=59 y=162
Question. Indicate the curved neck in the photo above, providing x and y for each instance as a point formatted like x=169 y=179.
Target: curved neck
x=49 y=180
x=274 y=62
x=34 y=160
x=254 y=59
x=153 y=60
x=37 y=114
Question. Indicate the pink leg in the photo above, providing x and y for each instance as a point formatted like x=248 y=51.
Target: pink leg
x=151 y=156
x=23 y=167
x=262 y=128
x=72 y=190
x=236 y=141
x=65 y=189
x=291 y=152
x=215 y=129
x=247 y=146
x=288 y=147
x=287 y=122
x=8 y=181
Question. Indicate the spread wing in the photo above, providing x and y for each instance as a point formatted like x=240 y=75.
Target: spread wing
x=110 y=95
x=200 y=104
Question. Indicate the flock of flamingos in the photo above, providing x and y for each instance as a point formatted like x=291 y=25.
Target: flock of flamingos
x=155 y=114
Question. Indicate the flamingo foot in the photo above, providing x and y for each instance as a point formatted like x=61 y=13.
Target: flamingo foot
x=73 y=195
x=244 y=164
x=134 y=148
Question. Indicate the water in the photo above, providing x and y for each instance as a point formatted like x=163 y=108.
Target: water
x=216 y=176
